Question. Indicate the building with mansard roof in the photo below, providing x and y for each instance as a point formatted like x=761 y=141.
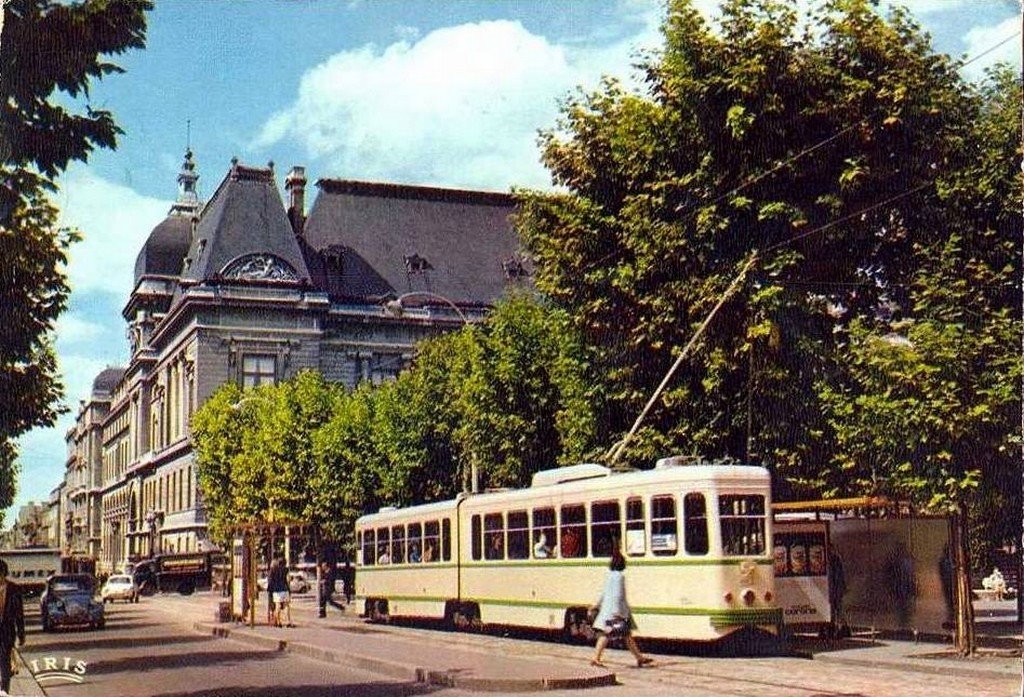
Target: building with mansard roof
x=247 y=288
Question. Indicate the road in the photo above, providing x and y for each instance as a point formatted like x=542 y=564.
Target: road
x=151 y=649
x=145 y=651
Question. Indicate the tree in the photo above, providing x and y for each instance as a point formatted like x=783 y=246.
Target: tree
x=926 y=403
x=46 y=48
x=670 y=189
x=527 y=403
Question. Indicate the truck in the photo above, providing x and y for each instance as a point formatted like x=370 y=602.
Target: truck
x=183 y=572
x=30 y=567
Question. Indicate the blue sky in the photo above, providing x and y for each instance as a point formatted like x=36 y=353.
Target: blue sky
x=449 y=93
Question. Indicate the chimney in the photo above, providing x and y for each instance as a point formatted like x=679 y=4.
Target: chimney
x=295 y=185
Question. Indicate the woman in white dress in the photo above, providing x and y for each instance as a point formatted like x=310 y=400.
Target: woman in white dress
x=614 y=618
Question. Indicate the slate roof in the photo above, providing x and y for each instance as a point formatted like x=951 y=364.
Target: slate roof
x=367 y=240
x=107 y=381
x=165 y=248
x=245 y=216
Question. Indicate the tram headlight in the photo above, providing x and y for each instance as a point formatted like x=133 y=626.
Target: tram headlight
x=768 y=596
x=748 y=596
x=727 y=597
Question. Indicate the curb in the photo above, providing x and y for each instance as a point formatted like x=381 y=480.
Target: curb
x=441 y=678
x=24 y=683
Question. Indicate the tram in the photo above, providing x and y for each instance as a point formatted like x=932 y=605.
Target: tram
x=696 y=537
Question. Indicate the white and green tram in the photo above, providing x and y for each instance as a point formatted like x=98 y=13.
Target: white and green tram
x=696 y=537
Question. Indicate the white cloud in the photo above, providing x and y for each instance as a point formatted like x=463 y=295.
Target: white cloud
x=982 y=38
x=406 y=32
x=114 y=221
x=920 y=8
x=459 y=107
x=72 y=329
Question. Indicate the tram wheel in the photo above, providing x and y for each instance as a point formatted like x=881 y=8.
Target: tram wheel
x=466 y=618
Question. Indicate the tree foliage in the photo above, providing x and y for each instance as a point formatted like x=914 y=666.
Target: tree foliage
x=50 y=52
x=844 y=150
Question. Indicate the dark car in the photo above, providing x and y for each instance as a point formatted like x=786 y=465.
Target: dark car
x=69 y=600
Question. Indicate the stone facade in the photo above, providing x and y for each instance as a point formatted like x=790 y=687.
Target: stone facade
x=236 y=290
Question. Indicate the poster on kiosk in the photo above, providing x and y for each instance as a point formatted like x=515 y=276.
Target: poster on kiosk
x=801 y=573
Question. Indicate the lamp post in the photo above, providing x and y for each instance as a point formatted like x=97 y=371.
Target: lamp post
x=396 y=308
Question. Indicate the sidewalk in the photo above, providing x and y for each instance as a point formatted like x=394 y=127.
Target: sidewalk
x=997 y=633
x=23 y=684
x=346 y=640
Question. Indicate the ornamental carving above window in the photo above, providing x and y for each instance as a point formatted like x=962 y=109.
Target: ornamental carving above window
x=260 y=267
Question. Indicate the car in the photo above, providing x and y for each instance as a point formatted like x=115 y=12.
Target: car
x=69 y=600
x=120 y=587
x=297 y=582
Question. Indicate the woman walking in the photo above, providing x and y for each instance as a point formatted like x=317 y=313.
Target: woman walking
x=614 y=618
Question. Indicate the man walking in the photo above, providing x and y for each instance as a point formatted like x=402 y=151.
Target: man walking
x=12 y=624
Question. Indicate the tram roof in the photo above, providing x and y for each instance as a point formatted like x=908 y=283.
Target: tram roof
x=746 y=475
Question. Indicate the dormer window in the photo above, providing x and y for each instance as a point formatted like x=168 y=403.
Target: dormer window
x=416 y=264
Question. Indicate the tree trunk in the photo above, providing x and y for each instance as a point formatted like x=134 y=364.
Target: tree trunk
x=964 y=639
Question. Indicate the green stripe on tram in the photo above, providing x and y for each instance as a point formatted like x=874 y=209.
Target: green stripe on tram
x=719 y=617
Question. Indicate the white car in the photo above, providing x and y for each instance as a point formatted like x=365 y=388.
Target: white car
x=297 y=582
x=120 y=587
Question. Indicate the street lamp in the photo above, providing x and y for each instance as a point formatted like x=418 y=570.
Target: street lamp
x=396 y=308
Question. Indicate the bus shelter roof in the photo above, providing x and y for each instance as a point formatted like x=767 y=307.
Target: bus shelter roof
x=834 y=504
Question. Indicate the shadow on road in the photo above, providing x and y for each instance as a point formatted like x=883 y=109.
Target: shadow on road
x=373 y=689
x=143 y=664
x=99 y=641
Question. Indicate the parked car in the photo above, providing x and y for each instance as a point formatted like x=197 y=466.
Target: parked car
x=120 y=587
x=297 y=582
x=70 y=600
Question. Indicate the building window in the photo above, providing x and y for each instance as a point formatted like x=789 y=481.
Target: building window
x=258 y=370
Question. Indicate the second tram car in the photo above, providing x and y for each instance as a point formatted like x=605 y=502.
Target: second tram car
x=697 y=539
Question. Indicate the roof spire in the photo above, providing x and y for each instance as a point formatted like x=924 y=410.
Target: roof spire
x=188 y=198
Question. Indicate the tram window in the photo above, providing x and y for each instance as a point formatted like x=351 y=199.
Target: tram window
x=518 y=535
x=544 y=533
x=475 y=532
x=494 y=536
x=742 y=519
x=430 y=541
x=446 y=539
x=664 y=535
x=383 y=546
x=636 y=528
x=695 y=517
x=605 y=528
x=398 y=544
x=415 y=541
x=573 y=531
x=369 y=549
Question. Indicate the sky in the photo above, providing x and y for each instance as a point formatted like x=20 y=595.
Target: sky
x=439 y=92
